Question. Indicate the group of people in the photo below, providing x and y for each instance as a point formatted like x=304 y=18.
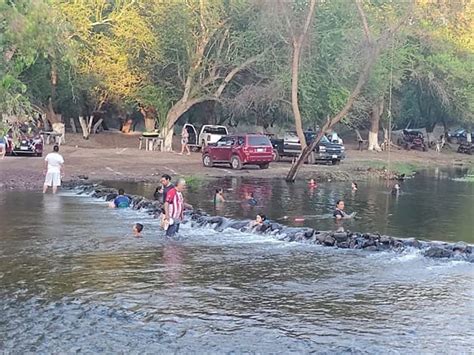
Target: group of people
x=172 y=213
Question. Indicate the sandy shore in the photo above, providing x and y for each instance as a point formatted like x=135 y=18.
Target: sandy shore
x=113 y=156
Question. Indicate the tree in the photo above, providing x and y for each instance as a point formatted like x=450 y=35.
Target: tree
x=372 y=52
x=297 y=39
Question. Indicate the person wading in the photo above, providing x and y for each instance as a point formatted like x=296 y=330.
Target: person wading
x=53 y=169
x=174 y=208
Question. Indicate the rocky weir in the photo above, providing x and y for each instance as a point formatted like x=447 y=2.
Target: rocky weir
x=372 y=242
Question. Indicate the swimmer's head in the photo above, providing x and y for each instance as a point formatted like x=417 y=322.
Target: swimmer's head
x=260 y=218
x=137 y=228
x=340 y=204
x=354 y=185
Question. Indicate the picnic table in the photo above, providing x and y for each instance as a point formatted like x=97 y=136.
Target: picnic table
x=51 y=137
x=151 y=142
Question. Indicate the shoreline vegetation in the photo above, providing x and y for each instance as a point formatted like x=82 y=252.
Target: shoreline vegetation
x=372 y=242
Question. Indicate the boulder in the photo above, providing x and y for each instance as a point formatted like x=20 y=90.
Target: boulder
x=438 y=252
x=329 y=241
x=341 y=237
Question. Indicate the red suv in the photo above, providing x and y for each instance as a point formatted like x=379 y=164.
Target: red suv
x=239 y=150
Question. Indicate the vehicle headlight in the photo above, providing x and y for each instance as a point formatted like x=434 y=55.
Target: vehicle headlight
x=342 y=148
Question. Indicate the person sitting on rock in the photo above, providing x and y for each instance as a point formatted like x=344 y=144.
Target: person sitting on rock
x=259 y=221
x=121 y=201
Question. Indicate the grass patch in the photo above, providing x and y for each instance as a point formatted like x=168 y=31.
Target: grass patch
x=193 y=181
x=396 y=167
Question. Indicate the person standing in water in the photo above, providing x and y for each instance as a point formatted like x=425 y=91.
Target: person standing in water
x=53 y=170
x=354 y=186
x=184 y=141
x=250 y=198
x=174 y=208
x=339 y=211
x=219 y=196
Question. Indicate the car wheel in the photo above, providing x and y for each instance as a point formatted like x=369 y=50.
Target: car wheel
x=264 y=166
x=276 y=155
x=39 y=155
x=335 y=161
x=235 y=163
x=207 y=161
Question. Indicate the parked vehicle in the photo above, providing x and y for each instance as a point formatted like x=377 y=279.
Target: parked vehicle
x=290 y=146
x=207 y=135
x=412 y=139
x=466 y=148
x=239 y=150
x=27 y=144
x=458 y=137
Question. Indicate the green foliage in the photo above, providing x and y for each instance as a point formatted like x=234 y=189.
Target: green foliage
x=129 y=54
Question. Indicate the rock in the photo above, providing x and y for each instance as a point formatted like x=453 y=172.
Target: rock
x=412 y=242
x=329 y=241
x=110 y=197
x=343 y=245
x=437 y=252
x=309 y=233
x=341 y=237
x=384 y=239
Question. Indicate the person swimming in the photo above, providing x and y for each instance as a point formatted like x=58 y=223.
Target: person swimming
x=137 y=230
x=121 y=201
x=396 y=189
x=312 y=183
x=219 y=196
x=339 y=212
x=250 y=198
x=354 y=186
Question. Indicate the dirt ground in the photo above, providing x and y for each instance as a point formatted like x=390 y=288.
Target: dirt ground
x=115 y=156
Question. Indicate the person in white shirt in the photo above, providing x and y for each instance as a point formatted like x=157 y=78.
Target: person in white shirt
x=53 y=169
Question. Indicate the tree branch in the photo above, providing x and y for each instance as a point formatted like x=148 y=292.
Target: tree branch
x=365 y=24
x=235 y=71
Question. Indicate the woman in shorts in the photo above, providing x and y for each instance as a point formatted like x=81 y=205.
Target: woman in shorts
x=184 y=141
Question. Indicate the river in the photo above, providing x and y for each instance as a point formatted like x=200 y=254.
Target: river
x=72 y=279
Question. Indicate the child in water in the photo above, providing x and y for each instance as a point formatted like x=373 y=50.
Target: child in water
x=219 y=196
x=312 y=183
x=250 y=198
x=354 y=186
x=137 y=230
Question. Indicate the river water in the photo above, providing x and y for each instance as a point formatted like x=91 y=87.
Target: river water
x=72 y=279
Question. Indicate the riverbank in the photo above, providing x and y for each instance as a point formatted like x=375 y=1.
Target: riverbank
x=114 y=156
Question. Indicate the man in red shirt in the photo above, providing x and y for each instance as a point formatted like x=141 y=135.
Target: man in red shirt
x=174 y=207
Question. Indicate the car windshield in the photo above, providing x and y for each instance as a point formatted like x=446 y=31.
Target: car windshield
x=215 y=130
x=259 y=141
x=324 y=139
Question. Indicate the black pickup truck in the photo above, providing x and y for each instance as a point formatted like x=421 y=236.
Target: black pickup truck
x=290 y=146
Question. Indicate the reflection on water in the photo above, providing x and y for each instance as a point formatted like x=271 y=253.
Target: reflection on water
x=430 y=206
x=72 y=279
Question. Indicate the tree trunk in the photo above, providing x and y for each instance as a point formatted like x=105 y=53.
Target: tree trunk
x=298 y=42
x=86 y=126
x=294 y=94
x=377 y=109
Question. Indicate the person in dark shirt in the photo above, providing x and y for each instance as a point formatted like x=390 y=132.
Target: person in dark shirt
x=339 y=211
x=166 y=186
x=121 y=201
x=250 y=198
